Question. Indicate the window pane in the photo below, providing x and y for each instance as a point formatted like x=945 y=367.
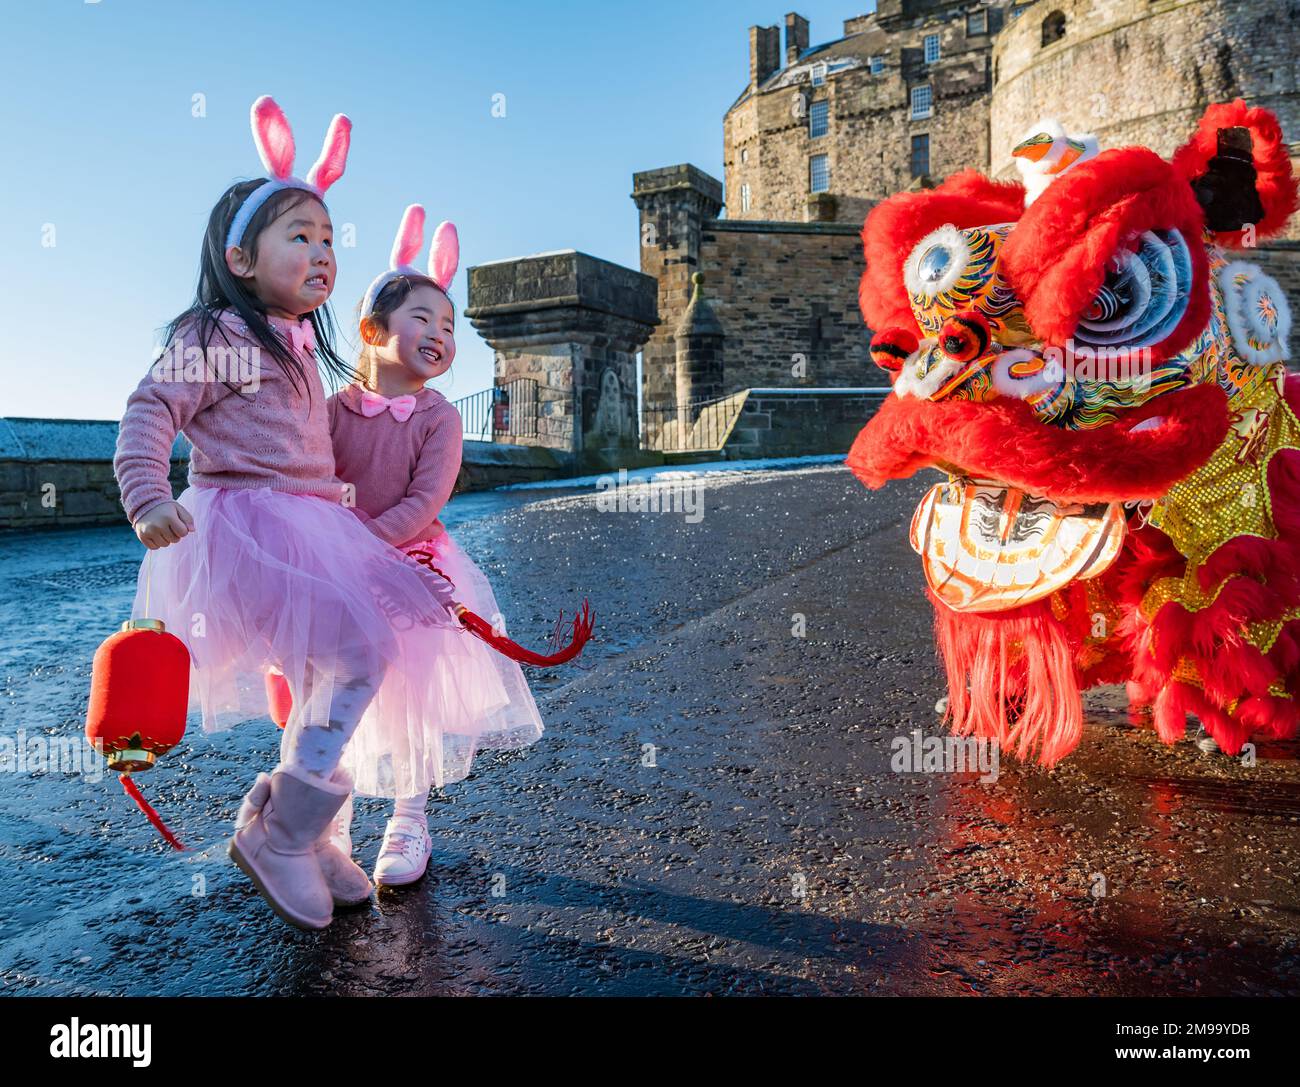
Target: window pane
x=818 y=118
x=931 y=48
x=920 y=155
x=819 y=174
x=877 y=65
x=921 y=101
x=977 y=22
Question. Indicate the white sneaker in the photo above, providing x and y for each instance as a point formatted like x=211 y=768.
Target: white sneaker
x=405 y=853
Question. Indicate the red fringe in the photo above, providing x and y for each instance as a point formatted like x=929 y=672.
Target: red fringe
x=133 y=791
x=1258 y=580
x=582 y=624
x=1019 y=661
x=895 y=226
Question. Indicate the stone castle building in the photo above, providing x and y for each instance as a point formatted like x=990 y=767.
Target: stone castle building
x=743 y=320
x=908 y=95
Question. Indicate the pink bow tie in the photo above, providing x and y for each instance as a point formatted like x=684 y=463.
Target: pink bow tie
x=400 y=407
x=303 y=337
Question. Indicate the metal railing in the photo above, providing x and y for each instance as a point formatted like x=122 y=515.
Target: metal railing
x=501 y=412
x=704 y=424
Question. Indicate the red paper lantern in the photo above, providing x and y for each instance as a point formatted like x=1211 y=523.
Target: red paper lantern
x=139 y=695
x=279 y=699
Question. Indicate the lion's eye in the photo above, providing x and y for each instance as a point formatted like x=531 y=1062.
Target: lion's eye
x=937 y=262
x=934 y=263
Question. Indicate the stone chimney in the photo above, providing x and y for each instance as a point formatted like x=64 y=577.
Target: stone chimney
x=764 y=53
x=796 y=37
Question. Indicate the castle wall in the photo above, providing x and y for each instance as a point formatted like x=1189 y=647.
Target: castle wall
x=786 y=297
x=1142 y=73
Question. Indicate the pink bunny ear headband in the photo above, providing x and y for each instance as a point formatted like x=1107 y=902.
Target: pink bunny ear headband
x=274 y=139
x=444 y=255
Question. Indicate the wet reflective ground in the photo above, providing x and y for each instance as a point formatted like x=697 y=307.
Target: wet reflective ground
x=713 y=808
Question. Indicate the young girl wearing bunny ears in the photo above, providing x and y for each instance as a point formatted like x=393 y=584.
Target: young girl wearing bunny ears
x=398 y=444
x=259 y=565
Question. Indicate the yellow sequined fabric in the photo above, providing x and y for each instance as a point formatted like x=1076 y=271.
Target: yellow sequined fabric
x=1227 y=497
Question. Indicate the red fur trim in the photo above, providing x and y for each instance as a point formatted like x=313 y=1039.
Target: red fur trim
x=1019 y=661
x=1285 y=655
x=1275 y=182
x=1055 y=259
x=1258 y=580
x=1177 y=700
x=895 y=226
x=1003 y=440
x=1148 y=555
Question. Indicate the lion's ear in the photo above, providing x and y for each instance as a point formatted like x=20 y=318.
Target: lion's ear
x=1239 y=168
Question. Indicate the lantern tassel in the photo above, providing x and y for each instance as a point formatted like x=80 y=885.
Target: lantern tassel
x=134 y=793
x=582 y=624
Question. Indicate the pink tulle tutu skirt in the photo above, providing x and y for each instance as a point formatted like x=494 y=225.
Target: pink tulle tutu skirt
x=297 y=583
x=467 y=697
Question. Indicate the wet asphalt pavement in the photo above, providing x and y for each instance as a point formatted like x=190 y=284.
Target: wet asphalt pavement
x=712 y=809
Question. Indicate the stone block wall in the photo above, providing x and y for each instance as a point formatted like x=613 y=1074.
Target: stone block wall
x=788 y=423
x=786 y=296
x=59 y=473
x=572 y=323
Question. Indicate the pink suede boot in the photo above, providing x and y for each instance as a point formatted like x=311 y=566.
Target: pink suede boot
x=348 y=883
x=276 y=847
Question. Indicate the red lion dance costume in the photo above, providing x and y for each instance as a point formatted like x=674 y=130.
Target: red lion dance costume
x=1106 y=392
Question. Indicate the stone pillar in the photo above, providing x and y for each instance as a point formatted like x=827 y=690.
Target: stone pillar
x=699 y=354
x=674 y=203
x=572 y=323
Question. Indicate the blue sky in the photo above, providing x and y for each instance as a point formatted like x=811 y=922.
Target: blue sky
x=102 y=143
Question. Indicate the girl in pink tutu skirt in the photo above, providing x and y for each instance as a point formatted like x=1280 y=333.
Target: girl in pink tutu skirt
x=397 y=444
x=259 y=564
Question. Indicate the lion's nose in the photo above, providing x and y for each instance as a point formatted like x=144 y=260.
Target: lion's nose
x=965 y=336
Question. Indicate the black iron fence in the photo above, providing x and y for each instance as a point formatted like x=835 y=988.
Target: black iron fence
x=700 y=425
x=501 y=412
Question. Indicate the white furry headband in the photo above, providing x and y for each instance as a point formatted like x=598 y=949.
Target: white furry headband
x=444 y=255
x=274 y=139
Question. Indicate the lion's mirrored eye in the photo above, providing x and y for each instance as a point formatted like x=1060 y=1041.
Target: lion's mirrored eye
x=934 y=263
x=1145 y=294
x=937 y=263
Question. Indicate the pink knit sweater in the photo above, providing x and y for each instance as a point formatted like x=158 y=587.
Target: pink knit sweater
x=403 y=472
x=276 y=437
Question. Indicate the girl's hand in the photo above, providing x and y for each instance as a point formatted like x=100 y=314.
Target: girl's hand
x=164 y=524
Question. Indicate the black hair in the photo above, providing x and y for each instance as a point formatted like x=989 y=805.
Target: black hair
x=220 y=289
x=389 y=299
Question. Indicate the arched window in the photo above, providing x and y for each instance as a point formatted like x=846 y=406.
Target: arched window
x=1054 y=28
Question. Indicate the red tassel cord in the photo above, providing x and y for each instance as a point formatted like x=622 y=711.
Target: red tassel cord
x=134 y=793
x=582 y=624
